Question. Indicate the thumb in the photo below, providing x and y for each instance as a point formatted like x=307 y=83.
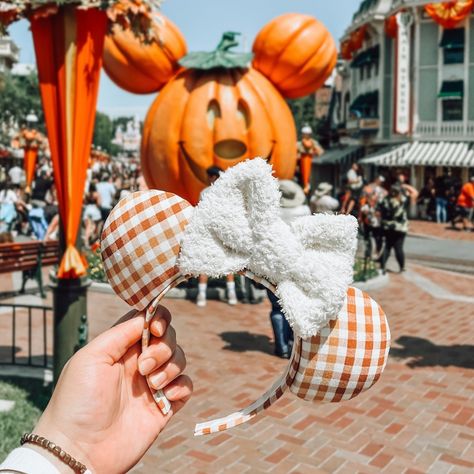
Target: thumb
x=116 y=341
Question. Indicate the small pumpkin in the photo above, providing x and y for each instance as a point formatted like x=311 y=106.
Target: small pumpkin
x=296 y=53
x=143 y=68
x=217 y=116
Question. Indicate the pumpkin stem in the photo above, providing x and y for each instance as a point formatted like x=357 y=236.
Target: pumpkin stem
x=228 y=41
x=221 y=57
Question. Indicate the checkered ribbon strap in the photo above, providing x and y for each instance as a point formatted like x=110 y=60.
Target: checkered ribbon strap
x=264 y=402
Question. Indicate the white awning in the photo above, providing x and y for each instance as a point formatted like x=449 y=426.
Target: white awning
x=456 y=154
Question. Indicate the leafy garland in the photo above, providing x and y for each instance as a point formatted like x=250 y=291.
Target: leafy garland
x=135 y=15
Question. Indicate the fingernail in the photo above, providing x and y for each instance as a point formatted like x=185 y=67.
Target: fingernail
x=146 y=366
x=157 y=380
x=159 y=327
x=172 y=391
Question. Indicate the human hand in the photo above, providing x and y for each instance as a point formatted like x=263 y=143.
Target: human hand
x=102 y=411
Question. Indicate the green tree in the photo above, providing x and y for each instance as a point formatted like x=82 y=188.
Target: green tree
x=303 y=113
x=19 y=95
x=103 y=132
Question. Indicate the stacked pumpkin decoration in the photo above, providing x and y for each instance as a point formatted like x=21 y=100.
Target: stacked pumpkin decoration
x=220 y=109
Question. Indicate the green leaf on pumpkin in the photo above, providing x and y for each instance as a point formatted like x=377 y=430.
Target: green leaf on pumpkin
x=221 y=57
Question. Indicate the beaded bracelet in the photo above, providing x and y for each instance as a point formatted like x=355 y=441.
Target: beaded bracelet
x=66 y=458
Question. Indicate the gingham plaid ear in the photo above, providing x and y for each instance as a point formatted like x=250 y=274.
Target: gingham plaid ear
x=141 y=242
x=348 y=355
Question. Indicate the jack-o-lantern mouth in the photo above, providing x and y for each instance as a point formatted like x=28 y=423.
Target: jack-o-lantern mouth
x=230 y=149
x=201 y=173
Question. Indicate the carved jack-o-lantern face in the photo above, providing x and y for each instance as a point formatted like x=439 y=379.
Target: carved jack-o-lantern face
x=218 y=110
x=218 y=117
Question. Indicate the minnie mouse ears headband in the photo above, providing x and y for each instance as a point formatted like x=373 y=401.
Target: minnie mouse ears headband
x=153 y=240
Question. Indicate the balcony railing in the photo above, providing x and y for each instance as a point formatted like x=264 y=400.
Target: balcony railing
x=444 y=130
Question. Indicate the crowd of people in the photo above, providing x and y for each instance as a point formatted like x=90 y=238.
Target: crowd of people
x=34 y=212
x=382 y=207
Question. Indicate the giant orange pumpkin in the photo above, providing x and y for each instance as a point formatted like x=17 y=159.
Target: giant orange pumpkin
x=296 y=52
x=143 y=68
x=215 y=117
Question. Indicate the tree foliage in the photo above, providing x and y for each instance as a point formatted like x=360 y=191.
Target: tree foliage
x=19 y=95
x=104 y=131
x=303 y=111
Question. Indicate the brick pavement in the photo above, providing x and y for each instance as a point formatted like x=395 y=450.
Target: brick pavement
x=419 y=418
x=440 y=231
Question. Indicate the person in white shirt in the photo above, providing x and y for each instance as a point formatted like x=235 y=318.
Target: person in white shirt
x=17 y=175
x=355 y=183
x=106 y=194
x=8 y=213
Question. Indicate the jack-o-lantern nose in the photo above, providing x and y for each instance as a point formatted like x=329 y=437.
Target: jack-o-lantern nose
x=230 y=149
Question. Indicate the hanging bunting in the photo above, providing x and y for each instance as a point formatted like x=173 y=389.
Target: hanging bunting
x=346 y=50
x=449 y=14
x=357 y=38
x=391 y=26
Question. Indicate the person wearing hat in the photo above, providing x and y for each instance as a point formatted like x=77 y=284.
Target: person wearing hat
x=213 y=173
x=322 y=202
x=292 y=205
x=307 y=147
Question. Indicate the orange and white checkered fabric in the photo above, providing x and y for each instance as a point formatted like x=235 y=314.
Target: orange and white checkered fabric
x=348 y=355
x=141 y=242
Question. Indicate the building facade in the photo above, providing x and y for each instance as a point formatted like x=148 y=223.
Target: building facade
x=407 y=94
x=9 y=54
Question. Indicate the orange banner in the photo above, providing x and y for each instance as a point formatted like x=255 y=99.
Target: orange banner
x=449 y=14
x=68 y=48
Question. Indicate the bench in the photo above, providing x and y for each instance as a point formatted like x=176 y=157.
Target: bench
x=29 y=257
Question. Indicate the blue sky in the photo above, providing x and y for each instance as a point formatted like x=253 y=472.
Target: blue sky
x=202 y=22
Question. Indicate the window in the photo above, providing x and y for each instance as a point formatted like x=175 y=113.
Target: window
x=453 y=55
x=452 y=43
x=361 y=73
x=369 y=71
x=452 y=110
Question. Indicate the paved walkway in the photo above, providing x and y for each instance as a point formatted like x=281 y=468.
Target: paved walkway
x=439 y=231
x=419 y=418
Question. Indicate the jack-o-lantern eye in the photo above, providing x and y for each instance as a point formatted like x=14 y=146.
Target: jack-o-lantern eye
x=243 y=112
x=213 y=112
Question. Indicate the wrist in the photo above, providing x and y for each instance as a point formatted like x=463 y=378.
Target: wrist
x=55 y=435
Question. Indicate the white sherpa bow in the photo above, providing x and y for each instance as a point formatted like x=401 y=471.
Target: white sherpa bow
x=237 y=226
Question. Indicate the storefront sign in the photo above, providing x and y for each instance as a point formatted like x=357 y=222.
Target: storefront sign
x=402 y=105
x=369 y=124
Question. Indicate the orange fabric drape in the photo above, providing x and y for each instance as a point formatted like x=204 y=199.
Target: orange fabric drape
x=449 y=14
x=29 y=163
x=68 y=48
x=391 y=26
x=346 y=51
x=357 y=38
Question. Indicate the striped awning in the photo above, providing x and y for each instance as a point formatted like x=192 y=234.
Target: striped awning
x=455 y=154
